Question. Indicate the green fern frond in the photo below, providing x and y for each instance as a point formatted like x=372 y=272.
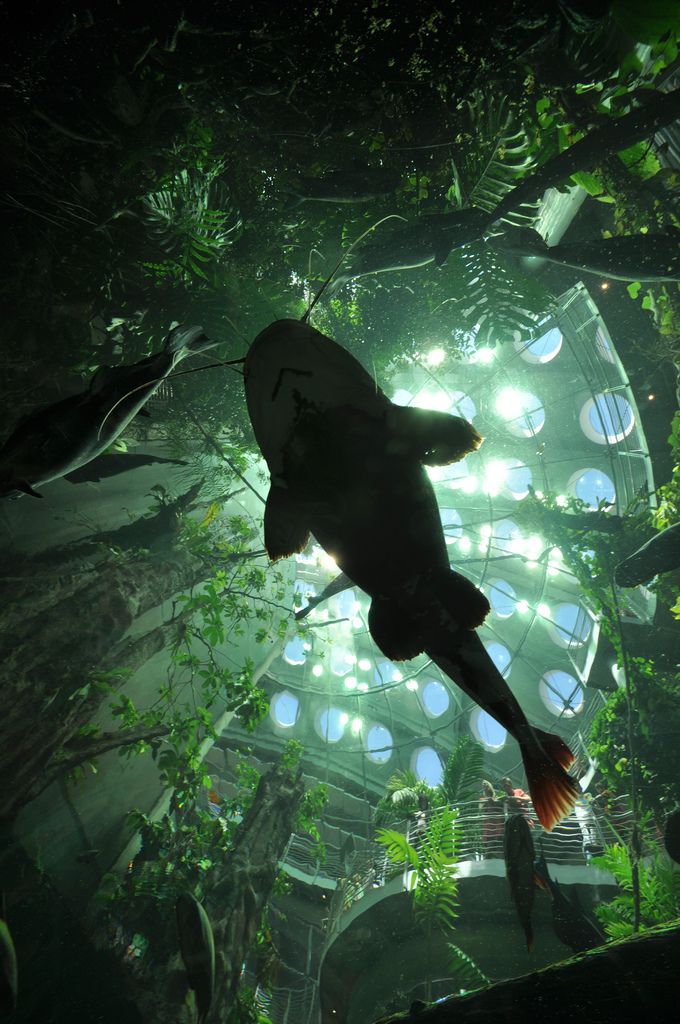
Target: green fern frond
x=499 y=302
x=191 y=220
x=435 y=903
x=464 y=970
x=439 y=838
x=397 y=847
x=463 y=771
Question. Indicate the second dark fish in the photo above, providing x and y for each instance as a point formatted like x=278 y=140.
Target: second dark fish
x=519 y=853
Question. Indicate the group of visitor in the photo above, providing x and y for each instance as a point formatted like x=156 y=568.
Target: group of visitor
x=495 y=808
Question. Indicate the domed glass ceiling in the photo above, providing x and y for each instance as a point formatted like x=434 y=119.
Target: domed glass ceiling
x=557 y=416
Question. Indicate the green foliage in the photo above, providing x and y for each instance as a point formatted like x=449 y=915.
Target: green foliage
x=667 y=512
x=245 y=1009
x=464 y=971
x=659 y=892
x=191 y=221
x=464 y=770
x=433 y=877
x=179 y=851
x=397 y=847
x=494 y=300
x=656 y=727
x=404 y=793
x=311 y=807
x=497 y=154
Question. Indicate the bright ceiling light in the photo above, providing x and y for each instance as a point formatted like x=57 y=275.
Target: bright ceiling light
x=344 y=718
x=427 y=398
x=317 y=671
x=484 y=356
x=364 y=664
x=465 y=544
x=509 y=403
x=356 y=725
x=533 y=546
x=522 y=607
x=363 y=687
x=543 y=610
x=411 y=684
x=435 y=357
x=494 y=477
x=351 y=683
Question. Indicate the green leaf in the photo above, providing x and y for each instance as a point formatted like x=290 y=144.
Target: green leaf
x=397 y=847
x=502 y=153
x=465 y=971
x=640 y=160
x=589 y=182
x=633 y=289
x=463 y=771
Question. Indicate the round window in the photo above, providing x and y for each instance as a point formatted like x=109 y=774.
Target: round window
x=378 y=744
x=487 y=730
x=607 y=418
x=330 y=724
x=435 y=698
x=561 y=693
x=284 y=709
x=543 y=349
x=427 y=766
x=571 y=626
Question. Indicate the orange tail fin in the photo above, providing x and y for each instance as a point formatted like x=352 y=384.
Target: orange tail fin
x=553 y=791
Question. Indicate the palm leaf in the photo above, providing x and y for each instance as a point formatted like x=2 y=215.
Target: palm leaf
x=435 y=902
x=463 y=771
x=498 y=302
x=465 y=971
x=496 y=156
x=191 y=219
x=439 y=838
x=397 y=847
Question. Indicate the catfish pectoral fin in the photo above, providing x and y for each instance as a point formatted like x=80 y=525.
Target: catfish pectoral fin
x=398 y=634
x=285 y=528
x=436 y=438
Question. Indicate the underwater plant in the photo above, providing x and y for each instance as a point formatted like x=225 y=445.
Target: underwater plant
x=432 y=869
x=659 y=883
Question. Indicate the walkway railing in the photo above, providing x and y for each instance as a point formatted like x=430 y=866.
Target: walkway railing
x=359 y=868
x=574 y=841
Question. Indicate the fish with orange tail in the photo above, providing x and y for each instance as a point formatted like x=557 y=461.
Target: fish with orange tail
x=348 y=466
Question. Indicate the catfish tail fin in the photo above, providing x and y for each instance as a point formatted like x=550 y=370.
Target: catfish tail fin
x=553 y=791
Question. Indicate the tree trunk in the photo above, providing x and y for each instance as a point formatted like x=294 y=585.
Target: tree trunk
x=591 y=150
x=245 y=885
x=237 y=893
x=48 y=653
x=633 y=979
